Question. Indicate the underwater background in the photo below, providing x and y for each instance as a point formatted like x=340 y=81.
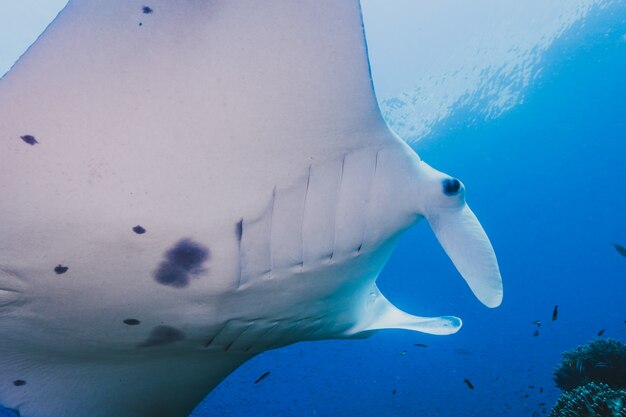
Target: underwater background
x=546 y=176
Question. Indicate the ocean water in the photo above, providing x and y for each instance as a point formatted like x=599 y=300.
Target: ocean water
x=547 y=180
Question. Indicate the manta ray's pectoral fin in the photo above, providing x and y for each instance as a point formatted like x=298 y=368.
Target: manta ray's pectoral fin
x=466 y=243
x=380 y=314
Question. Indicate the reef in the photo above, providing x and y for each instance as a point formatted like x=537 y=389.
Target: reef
x=594 y=399
x=601 y=360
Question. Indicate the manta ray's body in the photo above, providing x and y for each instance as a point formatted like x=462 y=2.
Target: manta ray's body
x=185 y=184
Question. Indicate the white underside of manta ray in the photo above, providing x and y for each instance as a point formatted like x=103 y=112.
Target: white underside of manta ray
x=185 y=184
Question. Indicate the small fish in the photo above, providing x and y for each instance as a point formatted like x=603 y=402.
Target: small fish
x=403 y=353
x=394 y=391
x=423 y=345
x=262 y=377
x=555 y=313
x=580 y=366
x=601 y=332
x=468 y=383
x=602 y=365
x=536 y=333
x=540 y=389
x=463 y=352
x=620 y=249
x=537 y=323
x=531 y=386
x=542 y=404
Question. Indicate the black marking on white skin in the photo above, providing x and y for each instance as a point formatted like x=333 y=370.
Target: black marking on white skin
x=163 y=335
x=132 y=322
x=30 y=139
x=332 y=252
x=139 y=230
x=60 y=269
x=182 y=262
x=19 y=382
x=146 y=10
x=306 y=193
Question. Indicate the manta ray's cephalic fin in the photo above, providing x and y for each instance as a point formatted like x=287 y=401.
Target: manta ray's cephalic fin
x=460 y=234
x=463 y=238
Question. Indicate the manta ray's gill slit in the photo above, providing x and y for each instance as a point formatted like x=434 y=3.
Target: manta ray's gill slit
x=314 y=327
x=245 y=329
x=10 y=297
x=302 y=240
x=367 y=208
x=30 y=139
x=212 y=339
x=11 y=288
x=182 y=262
x=305 y=326
x=338 y=197
x=162 y=335
x=239 y=235
x=266 y=336
x=263 y=335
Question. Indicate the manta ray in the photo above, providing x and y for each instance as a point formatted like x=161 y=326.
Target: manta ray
x=186 y=184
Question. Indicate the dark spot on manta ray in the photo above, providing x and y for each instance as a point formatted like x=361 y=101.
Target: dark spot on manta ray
x=139 y=230
x=132 y=322
x=30 y=139
x=19 y=382
x=239 y=229
x=146 y=10
x=181 y=263
x=451 y=186
x=60 y=269
x=163 y=335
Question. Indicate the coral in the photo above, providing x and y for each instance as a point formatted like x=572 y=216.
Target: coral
x=601 y=360
x=591 y=400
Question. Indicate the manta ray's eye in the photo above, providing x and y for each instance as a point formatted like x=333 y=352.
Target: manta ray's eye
x=451 y=186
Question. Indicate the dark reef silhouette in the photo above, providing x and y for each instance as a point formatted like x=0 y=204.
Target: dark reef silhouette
x=593 y=378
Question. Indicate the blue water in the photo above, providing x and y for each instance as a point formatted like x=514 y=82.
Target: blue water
x=547 y=180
